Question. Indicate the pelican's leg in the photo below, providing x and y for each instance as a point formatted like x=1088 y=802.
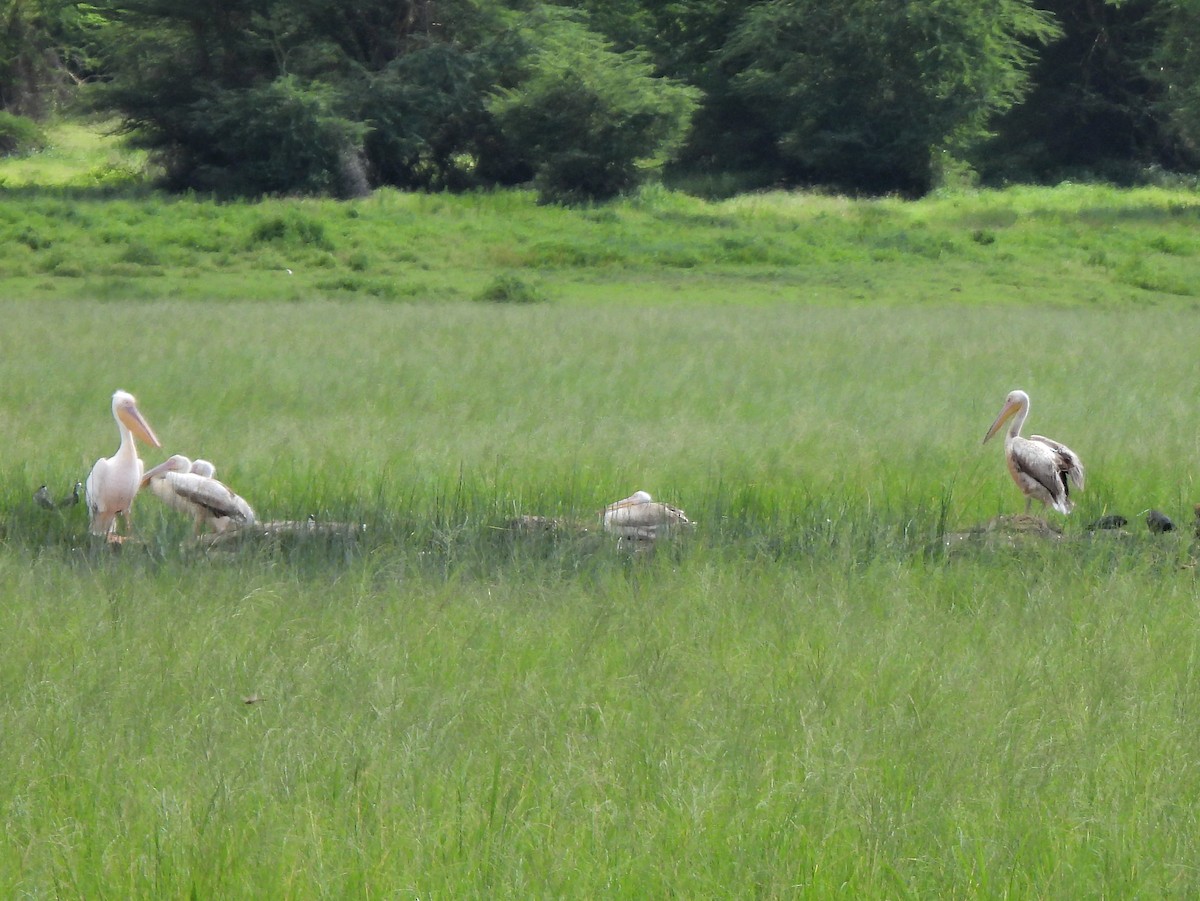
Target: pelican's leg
x=1028 y=505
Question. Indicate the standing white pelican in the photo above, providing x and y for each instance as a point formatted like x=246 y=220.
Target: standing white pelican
x=191 y=489
x=640 y=516
x=113 y=482
x=1041 y=467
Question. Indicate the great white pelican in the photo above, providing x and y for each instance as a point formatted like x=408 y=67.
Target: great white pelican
x=190 y=488
x=1041 y=467
x=113 y=482
x=640 y=516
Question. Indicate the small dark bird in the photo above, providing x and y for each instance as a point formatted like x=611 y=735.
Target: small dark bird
x=1157 y=521
x=73 y=498
x=1111 y=521
x=42 y=497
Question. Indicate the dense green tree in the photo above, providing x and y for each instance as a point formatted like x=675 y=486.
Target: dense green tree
x=1175 y=70
x=246 y=96
x=1095 y=108
x=589 y=97
x=253 y=96
x=589 y=120
x=429 y=123
x=859 y=94
x=43 y=53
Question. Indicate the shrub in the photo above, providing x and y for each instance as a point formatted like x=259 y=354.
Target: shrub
x=278 y=137
x=19 y=135
x=511 y=289
x=293 y=229
x=591 y=122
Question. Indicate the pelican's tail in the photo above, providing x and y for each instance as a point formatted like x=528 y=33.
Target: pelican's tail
x=1064 y=505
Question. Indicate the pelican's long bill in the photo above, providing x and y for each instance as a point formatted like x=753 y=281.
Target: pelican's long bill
x=174 y=463
x=638 y=497
x=128 y=413
x=1009 y=410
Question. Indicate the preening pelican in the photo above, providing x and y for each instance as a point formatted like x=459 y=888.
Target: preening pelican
x=113 y=482
x=1040 y=466
x=640 y=516
x=191 y=489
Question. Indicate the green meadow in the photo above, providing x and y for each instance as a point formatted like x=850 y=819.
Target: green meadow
x=807 y=695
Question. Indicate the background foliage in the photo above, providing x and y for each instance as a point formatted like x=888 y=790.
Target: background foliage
x=274 y=97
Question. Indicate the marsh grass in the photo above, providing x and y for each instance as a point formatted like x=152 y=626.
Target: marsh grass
x=806 y=695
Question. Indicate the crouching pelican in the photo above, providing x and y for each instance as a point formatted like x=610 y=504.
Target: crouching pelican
x=1040 y=466
x=191 y=489
x=113 y=482
x=640 y=516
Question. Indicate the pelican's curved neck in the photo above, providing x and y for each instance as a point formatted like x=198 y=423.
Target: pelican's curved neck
x=127 y=448
x=1014 y=430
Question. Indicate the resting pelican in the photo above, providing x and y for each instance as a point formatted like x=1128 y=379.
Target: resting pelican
x=1040 y=466
x=113 y=482
x=204 y=468
x=640 y=516
x=190 y=488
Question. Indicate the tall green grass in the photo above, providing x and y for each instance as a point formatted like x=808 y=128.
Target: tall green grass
x=807 y=695
x=804 y=696
x=699 y=728
x=556 y=409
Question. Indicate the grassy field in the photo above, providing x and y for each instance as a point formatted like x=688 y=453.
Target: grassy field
x=807 y=696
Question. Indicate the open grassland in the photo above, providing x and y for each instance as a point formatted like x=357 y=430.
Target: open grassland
x=803 y=693
x=806 y=696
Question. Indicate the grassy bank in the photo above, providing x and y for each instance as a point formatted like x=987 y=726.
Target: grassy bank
x=95 y=232
x=807 y=696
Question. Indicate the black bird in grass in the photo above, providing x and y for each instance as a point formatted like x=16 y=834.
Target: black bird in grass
x=73 y=498
x=1157 y=522
x=1110 y=521
x=43 y=499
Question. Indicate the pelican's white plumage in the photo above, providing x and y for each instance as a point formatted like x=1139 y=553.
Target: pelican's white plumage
x=190 y=488
x=640 y=516
x=1041 y=467
x=113 y=482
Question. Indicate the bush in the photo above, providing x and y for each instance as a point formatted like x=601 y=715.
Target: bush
x=859 y=95
x=591 y=122
x=429 y=123
x=511 y=289
x=294 y=229
x=19 y=135
x=279 y=137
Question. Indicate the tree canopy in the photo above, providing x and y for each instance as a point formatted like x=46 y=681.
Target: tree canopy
x=586 y=99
